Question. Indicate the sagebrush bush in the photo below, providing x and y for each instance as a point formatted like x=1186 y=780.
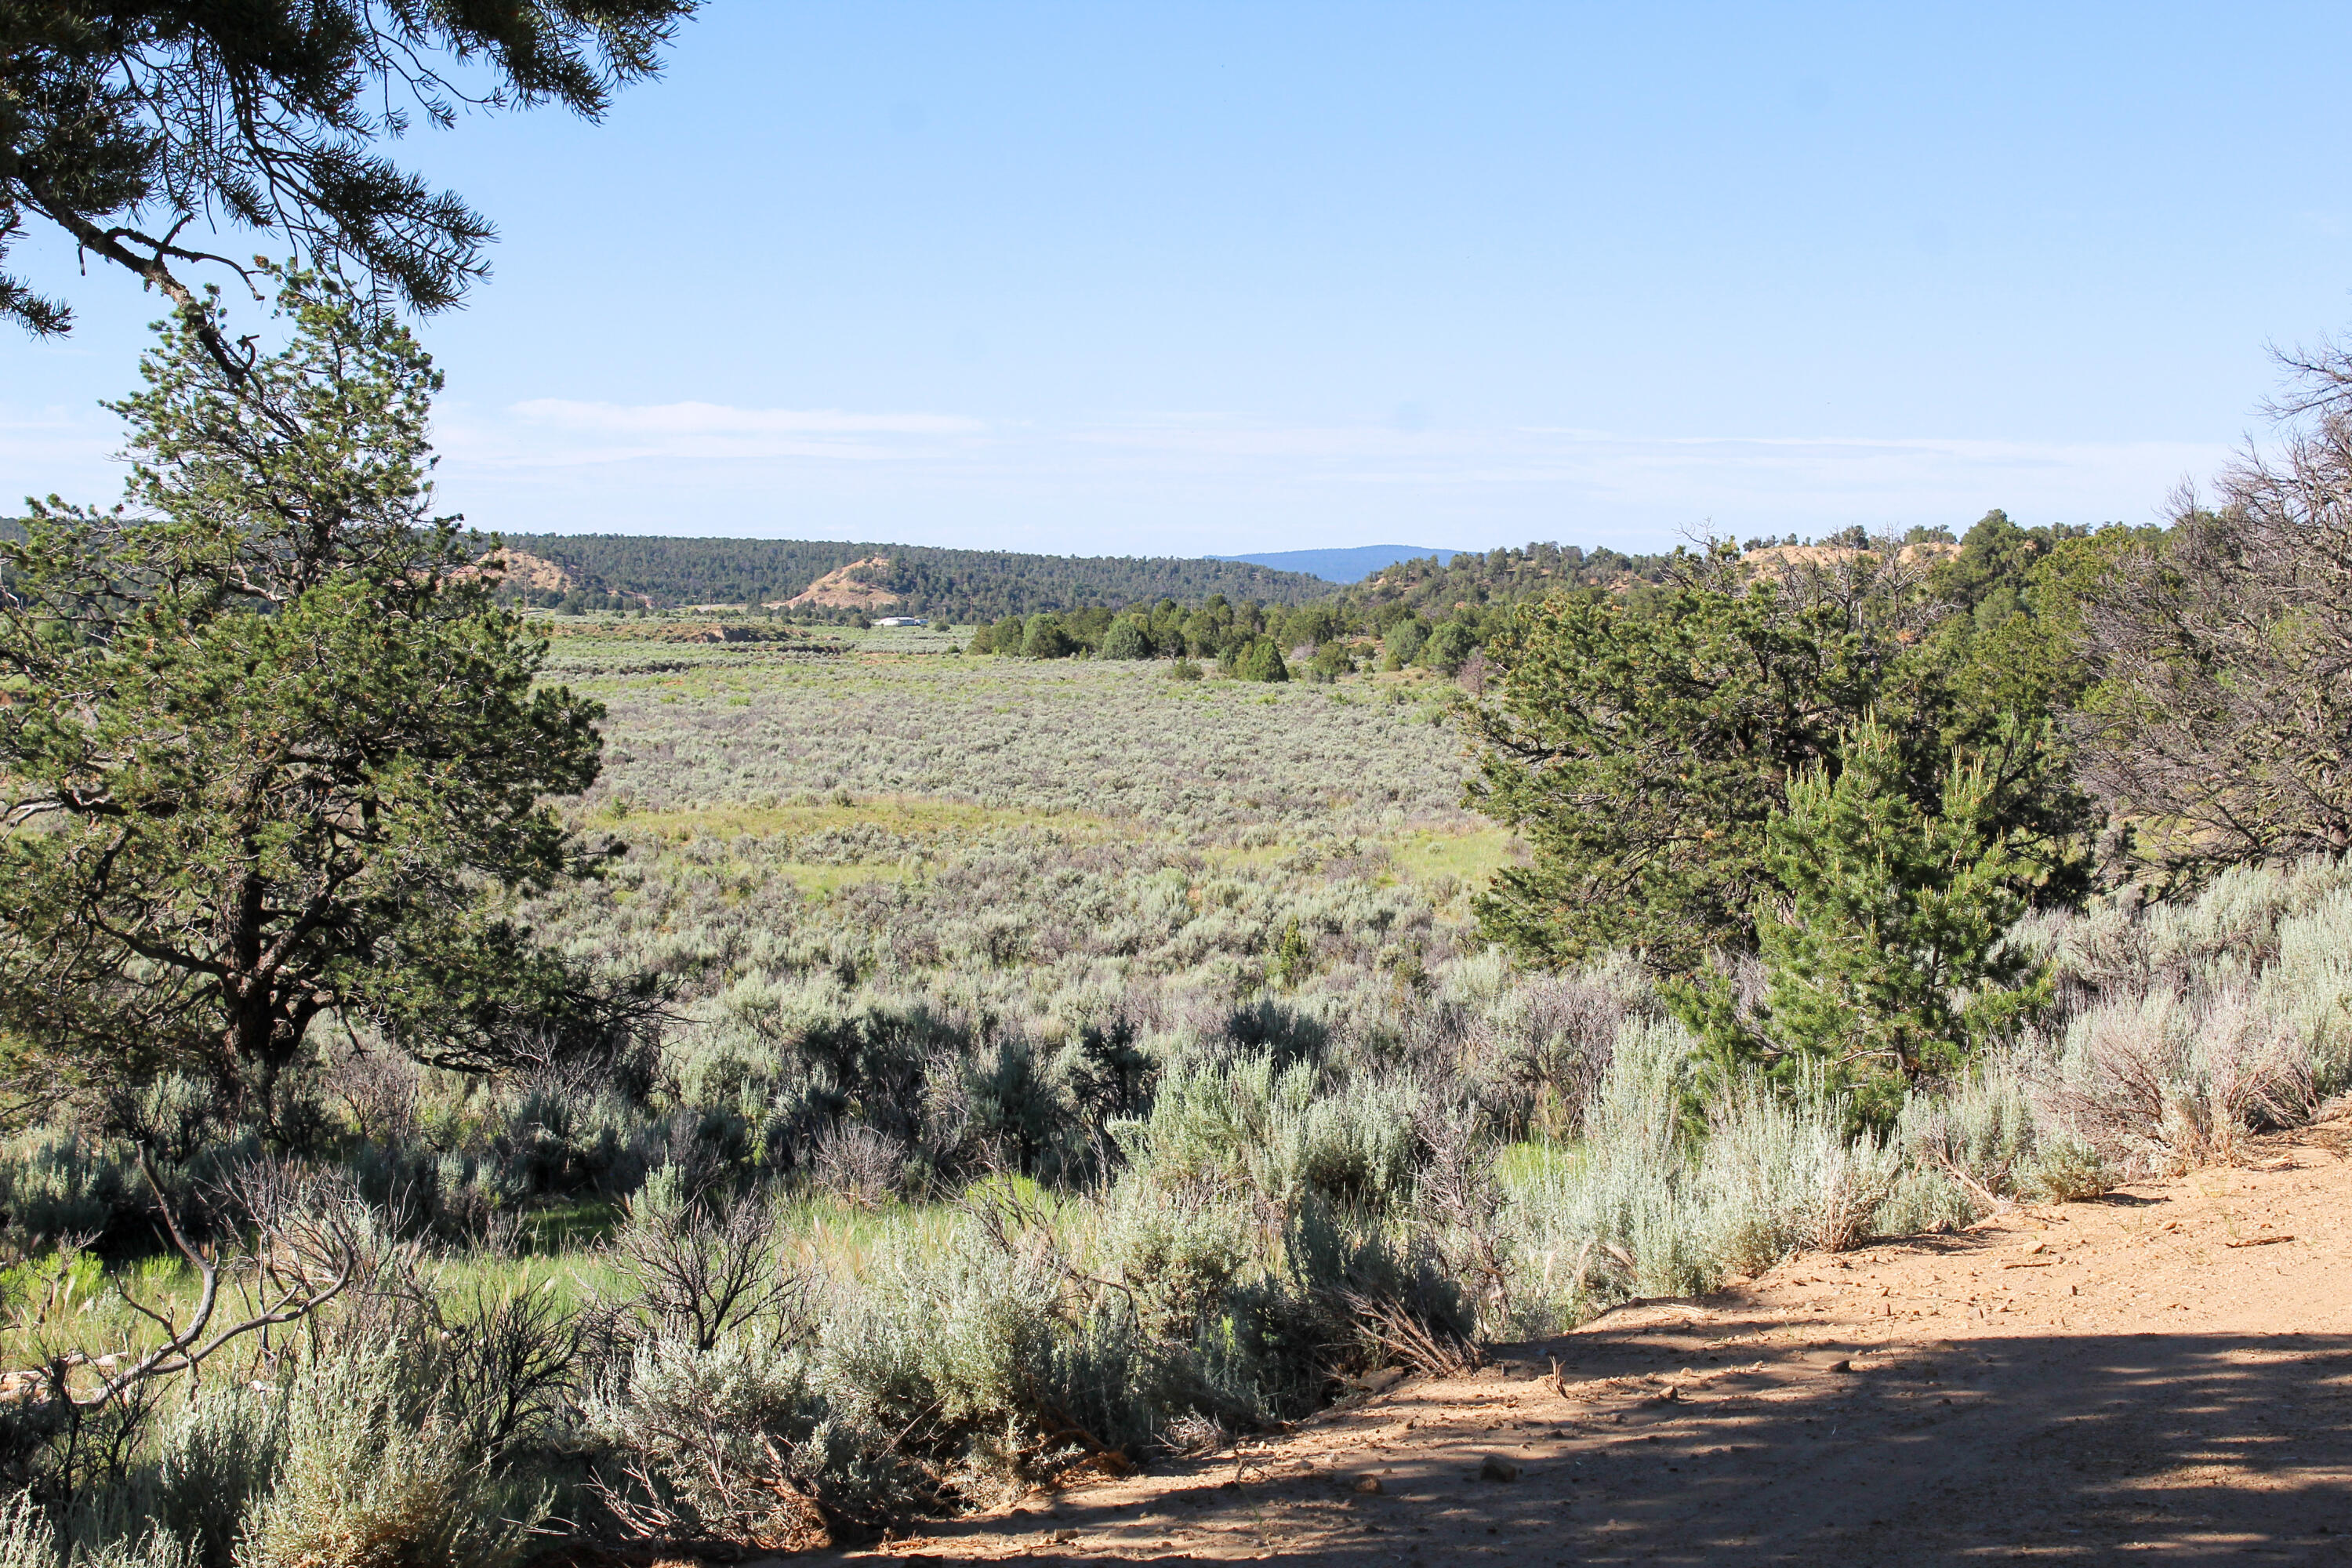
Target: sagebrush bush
x=950 y=1339
x=60 y=1184
x=2166 y=1081
x=1179 y=1249
x=1981 y=1131
x=728 y=1441
x=374 y=1475
x=214 y=1457
x=1622 y=1217
x=1782 y=1175
x=1246 y=1125
x=30 y=1539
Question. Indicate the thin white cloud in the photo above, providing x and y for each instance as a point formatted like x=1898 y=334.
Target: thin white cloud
x=1186 y=481
x=717 y=419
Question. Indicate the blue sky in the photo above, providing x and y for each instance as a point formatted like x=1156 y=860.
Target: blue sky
x=1106 y=278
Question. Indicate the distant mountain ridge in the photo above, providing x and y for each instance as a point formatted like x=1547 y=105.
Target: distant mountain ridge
x=1351 y=564
x=909 y=579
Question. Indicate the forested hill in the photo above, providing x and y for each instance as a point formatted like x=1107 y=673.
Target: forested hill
x=1502 y=577
x=920 y=579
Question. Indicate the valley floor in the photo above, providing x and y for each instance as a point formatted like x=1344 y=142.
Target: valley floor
x=2162 y=1375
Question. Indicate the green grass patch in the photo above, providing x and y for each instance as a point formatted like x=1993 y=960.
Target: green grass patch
x=573 y=1224
x=821 y=882
x=1525 y=1163
x=52 y=1303
x=1470 y=858
x=912 y=815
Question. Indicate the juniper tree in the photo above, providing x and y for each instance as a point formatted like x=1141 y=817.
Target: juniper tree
x=1129 y=637
x=1405 y=639
x=1450 y=646
x=1262 y=660
x=269 y=753
x=1047 y=638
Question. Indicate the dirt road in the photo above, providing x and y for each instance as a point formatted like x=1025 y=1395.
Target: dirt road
x=2163 y=1373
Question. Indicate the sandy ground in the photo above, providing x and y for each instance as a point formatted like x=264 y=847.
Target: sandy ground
x=2163 y=1373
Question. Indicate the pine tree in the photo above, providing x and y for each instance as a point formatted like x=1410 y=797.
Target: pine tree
x=1889 y=960
x=1641 y=748
x=266 y=115
x=269 y=753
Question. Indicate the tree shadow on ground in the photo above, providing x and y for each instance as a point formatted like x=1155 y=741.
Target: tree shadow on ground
x=2067 y=1448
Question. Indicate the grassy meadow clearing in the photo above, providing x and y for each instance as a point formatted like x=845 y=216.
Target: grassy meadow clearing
x=1056 y=1064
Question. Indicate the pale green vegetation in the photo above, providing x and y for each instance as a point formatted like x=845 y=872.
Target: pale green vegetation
x=1204 y=763
x=1004 y=1118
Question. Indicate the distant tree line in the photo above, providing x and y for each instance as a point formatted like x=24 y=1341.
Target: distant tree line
x=1413 y=614
x=1250 y=640
x=947 y=584
x=1246 y=639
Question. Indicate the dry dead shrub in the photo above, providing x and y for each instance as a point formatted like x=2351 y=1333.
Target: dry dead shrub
x=1401 y=1332
x=379 y=1091
x=861 y=1165
x=2168 y=1083
x=705 y=1262
x=1193 y=1436
x=1551 y=1037
x=1461 y=1202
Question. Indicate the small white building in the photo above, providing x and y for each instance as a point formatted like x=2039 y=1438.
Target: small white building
x=902 y=621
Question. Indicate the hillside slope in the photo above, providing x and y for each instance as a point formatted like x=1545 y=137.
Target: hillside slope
x=856 y=586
